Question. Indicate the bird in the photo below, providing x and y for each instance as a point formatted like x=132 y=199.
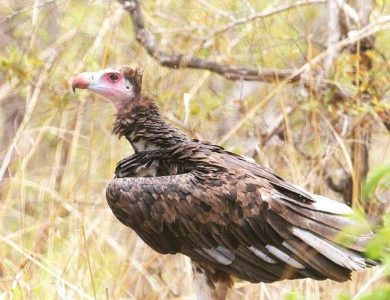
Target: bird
x=232 y=217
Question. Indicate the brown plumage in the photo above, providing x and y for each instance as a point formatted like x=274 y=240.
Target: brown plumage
x=229 y=215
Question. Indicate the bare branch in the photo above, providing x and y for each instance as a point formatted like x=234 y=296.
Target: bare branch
x=361 y=131
x=215 y=10
x=349 y=11
x=277 y=126
x=334 y=34
x=149 y=42
x=29 y=110
x=26 y=9
x=381 y=23
x=261 y=15
x=249 y=6
x=364 y=9
x=179 y=60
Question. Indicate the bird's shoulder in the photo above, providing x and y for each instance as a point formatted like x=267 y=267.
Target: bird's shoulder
x=208 y=162
x=177 y=159
x=214 y=179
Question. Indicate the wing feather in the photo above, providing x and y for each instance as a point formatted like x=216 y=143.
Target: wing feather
x=240 y=219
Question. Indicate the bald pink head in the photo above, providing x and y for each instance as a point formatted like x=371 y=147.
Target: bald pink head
x=119 y=85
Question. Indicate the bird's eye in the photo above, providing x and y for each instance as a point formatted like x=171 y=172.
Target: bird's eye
x=114 y=77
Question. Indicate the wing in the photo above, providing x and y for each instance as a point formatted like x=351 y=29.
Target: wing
x=242 y=225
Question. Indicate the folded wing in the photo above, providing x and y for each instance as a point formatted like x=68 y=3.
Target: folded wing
x=253 y=228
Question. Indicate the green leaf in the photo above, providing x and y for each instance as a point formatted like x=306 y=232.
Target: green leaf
x=374 y=178
x=344 y=297
x=382 y=293
x=293 y=296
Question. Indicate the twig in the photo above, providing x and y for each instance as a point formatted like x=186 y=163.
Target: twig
x=179 y=60
x=89 y=263
x=382 y=23
x=261 y=15
x=276 y=126
x=25 y=9
x=149 y=42
x=349 y=11
x=249 y=6
x=70 y=285
x=374 y=278
x=334 y=34
x=29 y=110
x=215 y=10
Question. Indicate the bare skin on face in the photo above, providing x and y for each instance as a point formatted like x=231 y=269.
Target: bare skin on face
x=138 y=117
x=110 y=83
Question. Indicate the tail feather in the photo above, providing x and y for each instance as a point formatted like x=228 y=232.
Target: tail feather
x=310 y=256
x=341 y=256
x=320 y=224
x=317 y=234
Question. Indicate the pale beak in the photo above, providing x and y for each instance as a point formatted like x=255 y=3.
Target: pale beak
x=81 y=81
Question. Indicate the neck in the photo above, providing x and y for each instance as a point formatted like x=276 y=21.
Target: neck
x=142 y=125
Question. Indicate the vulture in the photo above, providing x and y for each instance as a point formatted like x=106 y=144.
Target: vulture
x=232 y=217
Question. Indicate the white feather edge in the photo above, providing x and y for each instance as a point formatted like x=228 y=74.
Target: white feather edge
x=335 y=253
x=284 y=257
x=260 y=254
x=220 y=254
x=328 y=205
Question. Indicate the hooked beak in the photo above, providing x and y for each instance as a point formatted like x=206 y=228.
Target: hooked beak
x=81 y=81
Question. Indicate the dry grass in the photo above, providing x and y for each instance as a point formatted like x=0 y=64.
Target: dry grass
x=59 y=239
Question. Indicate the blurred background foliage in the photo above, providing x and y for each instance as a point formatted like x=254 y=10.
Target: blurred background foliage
x=327 y=132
